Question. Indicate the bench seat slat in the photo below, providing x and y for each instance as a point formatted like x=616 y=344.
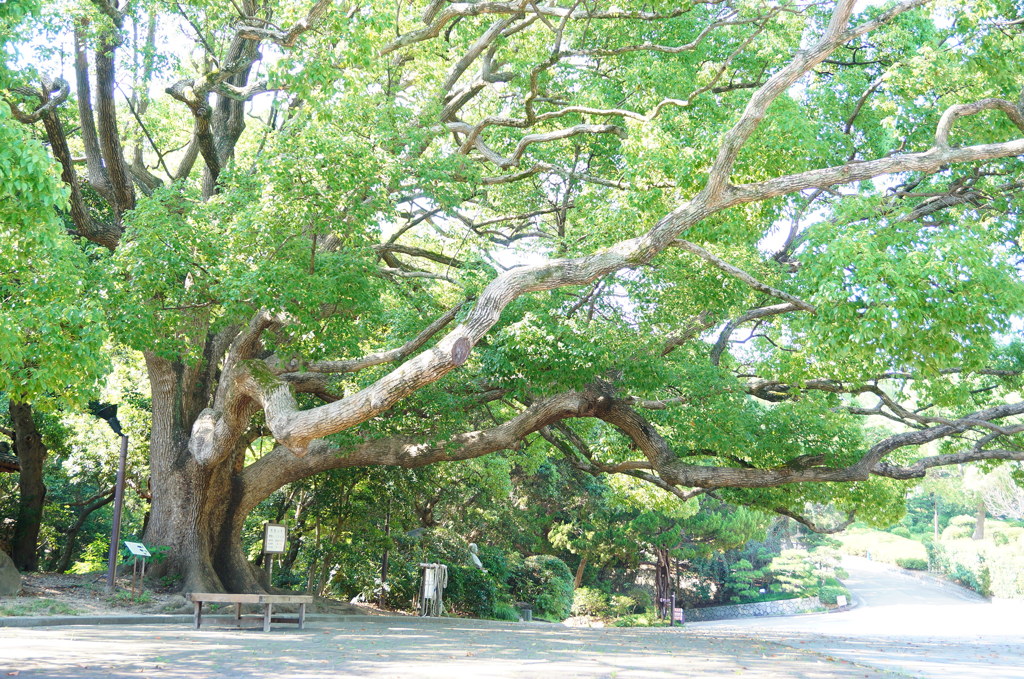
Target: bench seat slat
x=265 y=600
x=221 y=598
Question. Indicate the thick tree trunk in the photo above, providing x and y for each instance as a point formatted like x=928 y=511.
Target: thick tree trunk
x=196 y=498
x=979 y=522
x=194 y=515
x=28 y=445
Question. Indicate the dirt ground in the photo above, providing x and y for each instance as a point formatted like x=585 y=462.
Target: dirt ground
x=67 y=594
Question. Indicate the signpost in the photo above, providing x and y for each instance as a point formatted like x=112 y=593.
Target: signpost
x=673 y=613
x=275 y=541
x=140 y=552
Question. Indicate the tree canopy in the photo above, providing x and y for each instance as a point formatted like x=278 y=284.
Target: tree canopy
x=709 y=245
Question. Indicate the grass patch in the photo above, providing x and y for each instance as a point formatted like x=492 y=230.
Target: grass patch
x=126 y=598
x=879 y=546
x=33 y=606
x=506 y=612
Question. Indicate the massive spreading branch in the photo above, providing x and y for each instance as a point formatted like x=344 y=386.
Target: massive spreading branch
x=297 y=428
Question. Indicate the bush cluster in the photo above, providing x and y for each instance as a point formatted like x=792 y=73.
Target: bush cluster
x=831 y=590
x=989 y=568
x=545 y=582
x=589 y=601
x=593 y=602
x=471 y=592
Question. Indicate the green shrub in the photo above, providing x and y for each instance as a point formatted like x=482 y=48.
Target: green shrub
x=127 y=598
x=93 y=557
x=470 y=591
x=622 y=605
x=642 y=596
x=989 y=568
x=794 y=573
x=815 y=540
x=746 y=582
x=959 y=528
x=913 y=564
x=589 y=601
x=496 y=563
x=545 y=582
x=504 y=611
x=963 y=575
x=649 y=618
x=829 y=593
x=402 y=587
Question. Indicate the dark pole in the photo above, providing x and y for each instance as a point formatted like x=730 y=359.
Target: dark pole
x=384 y=558
x=115 y=533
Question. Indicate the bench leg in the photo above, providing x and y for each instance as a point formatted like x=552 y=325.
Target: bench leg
x=238 y=615
x=266 y=617
x=302 y=615
x=197 y=616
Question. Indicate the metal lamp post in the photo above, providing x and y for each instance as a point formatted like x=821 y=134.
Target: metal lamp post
x=108 y=413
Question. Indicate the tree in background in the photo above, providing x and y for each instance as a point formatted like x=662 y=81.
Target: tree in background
x=51 y=333
x=673 y=243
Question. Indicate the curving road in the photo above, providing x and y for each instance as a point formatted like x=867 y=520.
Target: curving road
x=917 y=627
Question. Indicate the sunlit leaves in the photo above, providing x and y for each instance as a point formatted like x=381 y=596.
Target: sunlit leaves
x=51 y=331
x=898 y=295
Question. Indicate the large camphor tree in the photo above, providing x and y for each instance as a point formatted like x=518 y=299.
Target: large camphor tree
x=698 y=244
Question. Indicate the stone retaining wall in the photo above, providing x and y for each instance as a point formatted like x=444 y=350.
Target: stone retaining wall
x=760 y=609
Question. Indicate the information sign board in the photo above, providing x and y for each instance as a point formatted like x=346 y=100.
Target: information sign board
x=137 y=548
x=275 y=538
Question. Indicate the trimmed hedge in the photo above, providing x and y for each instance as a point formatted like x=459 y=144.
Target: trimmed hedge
x=913 y=564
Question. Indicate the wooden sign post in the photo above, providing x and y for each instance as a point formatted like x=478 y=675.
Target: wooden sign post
x=275 y=541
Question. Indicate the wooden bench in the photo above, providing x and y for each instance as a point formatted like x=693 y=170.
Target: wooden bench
x=265 y=600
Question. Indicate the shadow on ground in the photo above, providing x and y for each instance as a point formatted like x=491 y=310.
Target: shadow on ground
x=379 y=647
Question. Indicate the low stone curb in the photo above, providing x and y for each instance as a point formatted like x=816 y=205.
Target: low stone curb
x=760 y=609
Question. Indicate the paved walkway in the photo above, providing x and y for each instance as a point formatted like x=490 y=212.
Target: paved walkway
x=406 y=648
x=904 y=624
x=903 y=628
